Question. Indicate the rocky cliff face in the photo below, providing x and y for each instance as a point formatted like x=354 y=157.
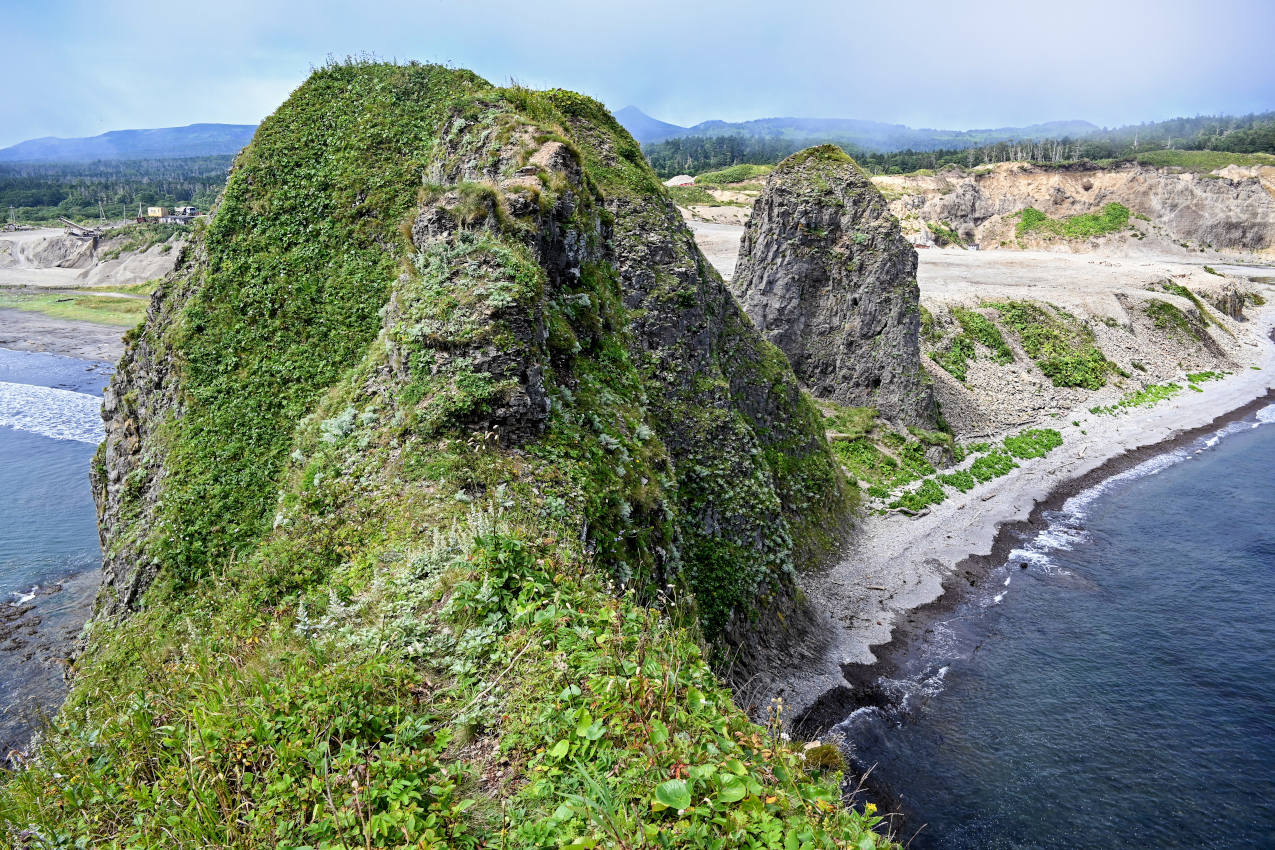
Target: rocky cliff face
x=825 y=273
x=420 y=467
x=543 y=306
x=1230 y=209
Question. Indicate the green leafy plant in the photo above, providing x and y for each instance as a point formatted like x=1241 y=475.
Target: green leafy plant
x=1112 y=218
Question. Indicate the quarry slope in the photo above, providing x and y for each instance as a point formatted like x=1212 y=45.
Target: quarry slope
x=432 y=457
x=1226 y=210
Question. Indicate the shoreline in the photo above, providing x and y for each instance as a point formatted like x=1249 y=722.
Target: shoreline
x=872 y=608
x=22 y=330
x=861 y=678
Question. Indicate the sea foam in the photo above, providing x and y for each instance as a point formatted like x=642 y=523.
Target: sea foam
x=49 y=412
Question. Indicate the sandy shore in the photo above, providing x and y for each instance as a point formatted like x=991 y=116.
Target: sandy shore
x=897 y=564
x=28 y=331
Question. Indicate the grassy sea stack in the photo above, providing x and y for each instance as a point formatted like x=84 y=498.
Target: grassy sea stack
x=424 y=473
x=826 y=274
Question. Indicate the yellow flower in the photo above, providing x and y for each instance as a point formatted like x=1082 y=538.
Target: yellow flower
x=870 y=808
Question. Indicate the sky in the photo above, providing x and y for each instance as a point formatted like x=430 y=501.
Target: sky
x=81 y=67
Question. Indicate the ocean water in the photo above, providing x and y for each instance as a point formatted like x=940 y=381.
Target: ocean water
x=1117 y=692
x=50 y=426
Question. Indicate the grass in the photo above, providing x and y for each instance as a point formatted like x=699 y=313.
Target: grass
x=1202 y=160
x=691 y=195
x=733 y=174
x=99 y=309
x=1113 y=217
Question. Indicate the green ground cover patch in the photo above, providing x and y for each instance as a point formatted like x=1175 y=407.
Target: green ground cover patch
x=1181 y=291
x=1145 y=397
x=929 y=493
x=1032 y=443
x=1167 y=317
x=981 y=329
x=733 y=174
x=992 y=465
x=1112 y=218
x=962 y=480
x=954 y=356
x=1202 y=160
x=691 y=195
x=1062 y=346
x=100 y=309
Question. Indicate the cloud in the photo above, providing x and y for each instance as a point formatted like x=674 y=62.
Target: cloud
x=142 y=64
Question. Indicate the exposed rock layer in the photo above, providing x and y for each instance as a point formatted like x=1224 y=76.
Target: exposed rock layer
x=825 y=273
x=1230 y=209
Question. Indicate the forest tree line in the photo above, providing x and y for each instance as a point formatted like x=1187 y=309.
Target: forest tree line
x=1234 y=134
x=41 y=192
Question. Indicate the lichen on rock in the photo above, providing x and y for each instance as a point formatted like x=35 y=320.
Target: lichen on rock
x=826 y=274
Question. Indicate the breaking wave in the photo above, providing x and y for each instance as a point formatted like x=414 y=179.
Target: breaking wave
x=49 y=412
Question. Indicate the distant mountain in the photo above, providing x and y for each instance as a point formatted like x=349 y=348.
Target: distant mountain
x=848 y=132
x=161 y=143
x=646 y=129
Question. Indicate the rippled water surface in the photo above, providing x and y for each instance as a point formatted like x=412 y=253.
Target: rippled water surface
x=49 y=429
x=1120 y=690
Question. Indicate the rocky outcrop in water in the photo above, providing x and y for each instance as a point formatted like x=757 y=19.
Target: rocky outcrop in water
x=825 y=273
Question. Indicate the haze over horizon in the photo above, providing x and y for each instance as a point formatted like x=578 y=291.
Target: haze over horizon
x=928 y=64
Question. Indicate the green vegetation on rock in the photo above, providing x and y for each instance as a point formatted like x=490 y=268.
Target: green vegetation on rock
x=944 y=235
x=1062 y=346
x=1112 y=218
x=955 y=353
x=1167 y=317
x=424 y=515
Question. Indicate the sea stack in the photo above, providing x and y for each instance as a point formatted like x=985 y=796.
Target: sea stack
x=826 y=274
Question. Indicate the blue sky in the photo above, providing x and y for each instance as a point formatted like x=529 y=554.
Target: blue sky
x=77 y=68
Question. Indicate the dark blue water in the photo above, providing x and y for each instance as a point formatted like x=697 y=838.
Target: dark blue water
x=49 y=555
x=1120 y=691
